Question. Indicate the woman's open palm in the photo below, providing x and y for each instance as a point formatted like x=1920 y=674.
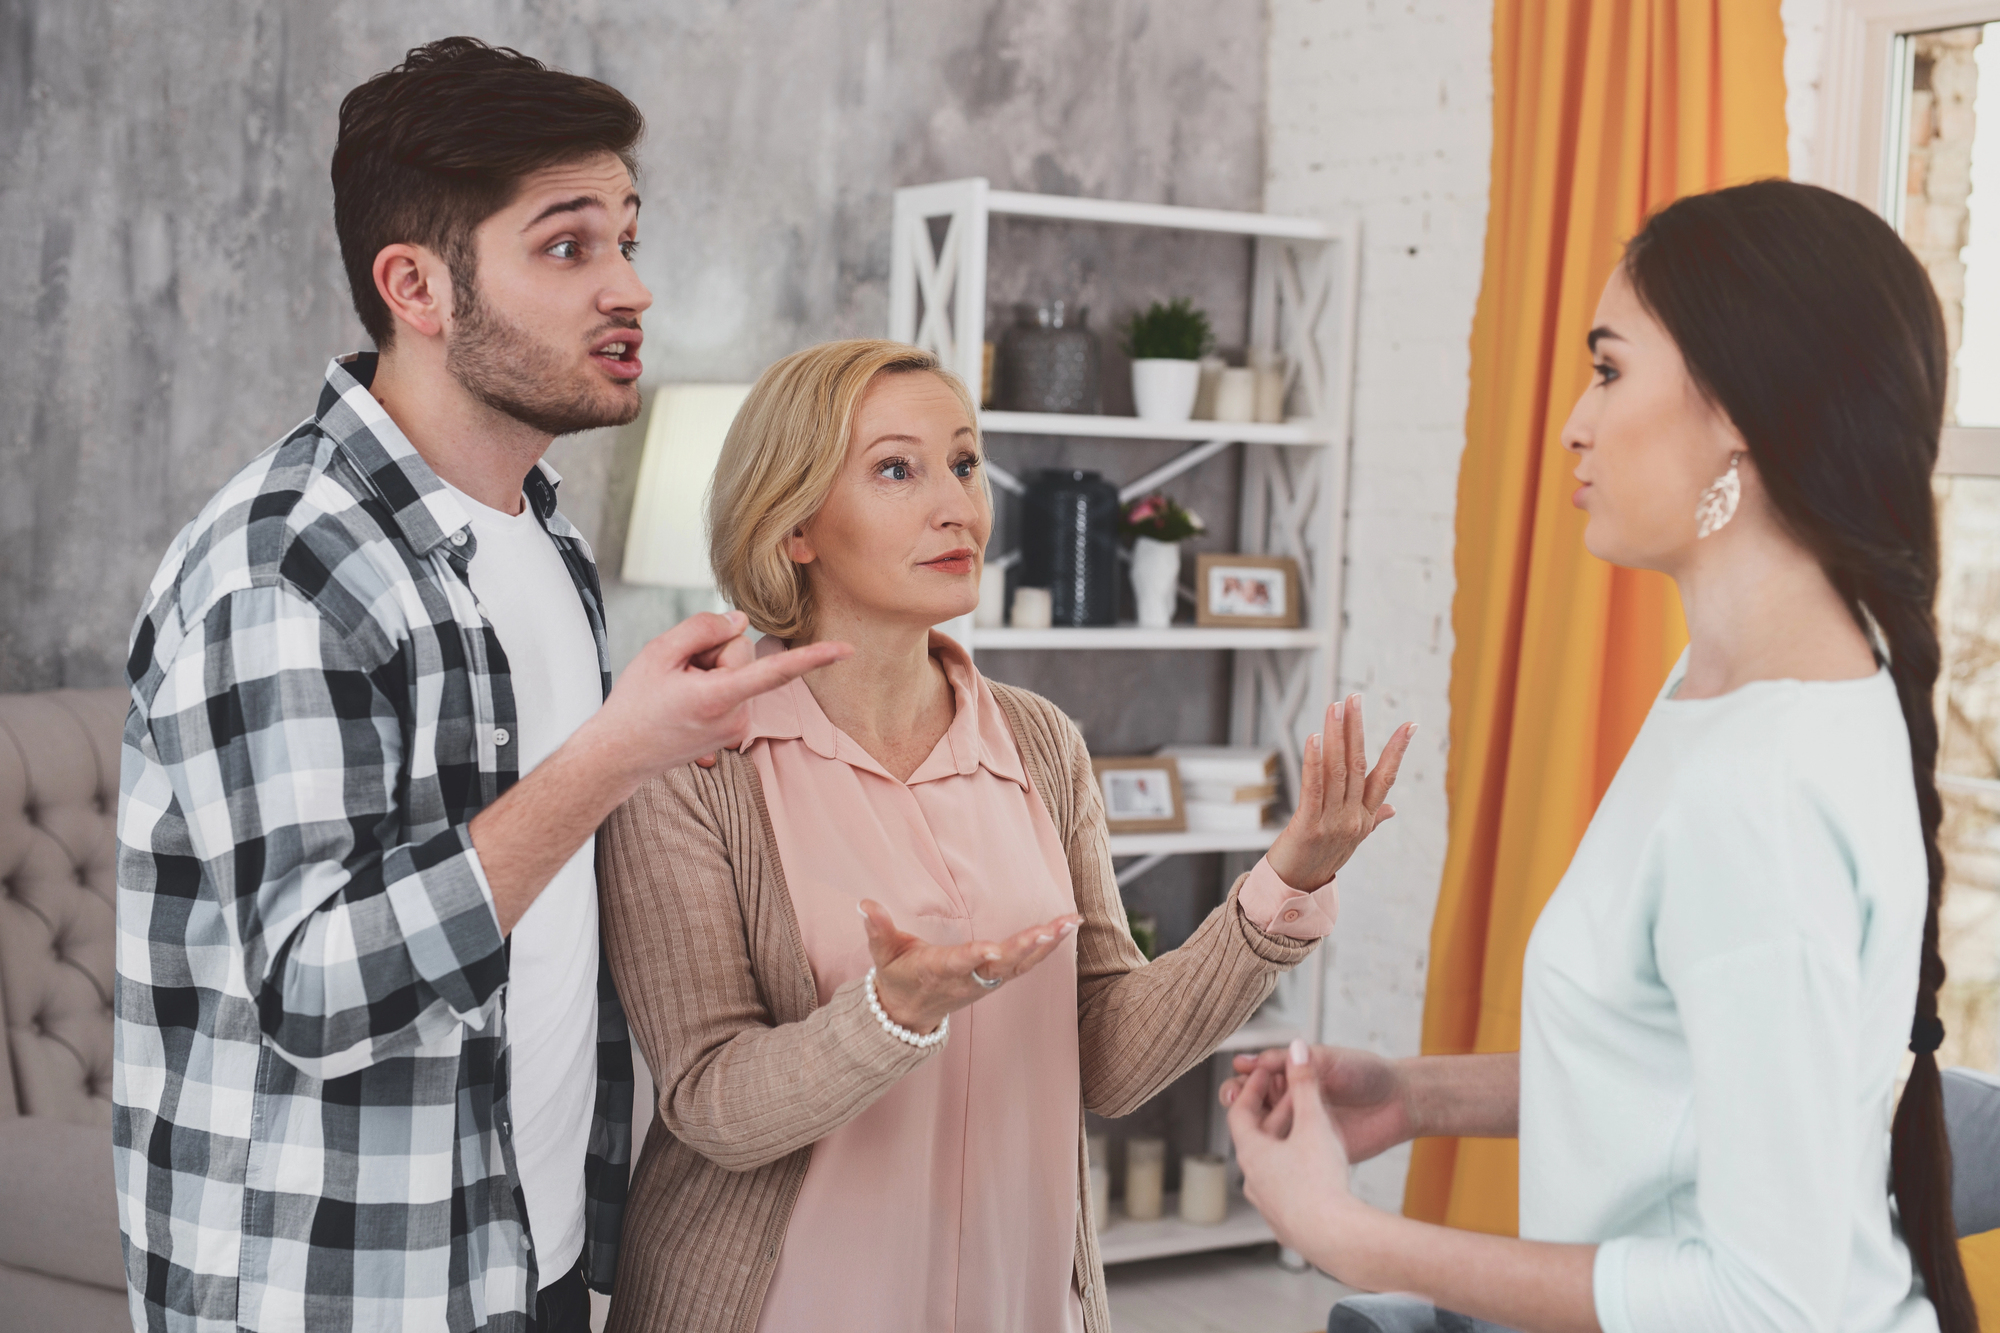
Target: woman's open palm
x=918 y=983
x=1341 y=800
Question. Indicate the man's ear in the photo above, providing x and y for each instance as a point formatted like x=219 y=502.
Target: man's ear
x=416 y=286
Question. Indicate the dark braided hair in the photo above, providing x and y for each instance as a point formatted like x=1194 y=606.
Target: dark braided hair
x=1803 y=316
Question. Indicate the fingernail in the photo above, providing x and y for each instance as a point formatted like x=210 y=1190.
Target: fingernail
x=862 y=910
x=1312 y=742
x=1299 y=1053
x=1229 y=1096
x=1043 y=939
x=1068 y=926
x=992 y=955
x=1413 y=729
x=1338 y=709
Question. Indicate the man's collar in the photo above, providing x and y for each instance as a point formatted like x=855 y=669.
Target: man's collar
x=424 y=508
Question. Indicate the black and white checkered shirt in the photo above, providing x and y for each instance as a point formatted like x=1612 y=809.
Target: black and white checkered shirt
x=310 y=1077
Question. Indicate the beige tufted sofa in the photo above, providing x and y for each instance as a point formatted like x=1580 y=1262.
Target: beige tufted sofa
x=60 y=1262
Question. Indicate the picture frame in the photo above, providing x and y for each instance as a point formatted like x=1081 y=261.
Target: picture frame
x=1247 y=591
x=1142 y=793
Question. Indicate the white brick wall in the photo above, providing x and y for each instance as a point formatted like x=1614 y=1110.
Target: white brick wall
x=1383 y=109
x=1805 y=60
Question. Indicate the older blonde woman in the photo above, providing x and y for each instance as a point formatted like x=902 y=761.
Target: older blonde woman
x=873 y=1122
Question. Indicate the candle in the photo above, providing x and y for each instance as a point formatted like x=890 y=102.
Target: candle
x=1270 y=369
x=1145 y=1178
x=1204 y=1189
x=992 y=610
x=1033 y=608
x=1204 y=396
x=1236 y=395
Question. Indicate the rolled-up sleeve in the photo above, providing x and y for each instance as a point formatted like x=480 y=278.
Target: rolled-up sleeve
x=278 y=734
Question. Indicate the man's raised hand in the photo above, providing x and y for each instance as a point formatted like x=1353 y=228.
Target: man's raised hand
x=685 y=695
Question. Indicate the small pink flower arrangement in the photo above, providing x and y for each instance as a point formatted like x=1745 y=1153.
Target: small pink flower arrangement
x=1160 y=517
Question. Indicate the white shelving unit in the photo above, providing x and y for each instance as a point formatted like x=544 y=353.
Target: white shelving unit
x=1303 y=294
x=1122 y=1241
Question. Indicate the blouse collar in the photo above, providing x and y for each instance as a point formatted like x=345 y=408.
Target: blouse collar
x=978 y=736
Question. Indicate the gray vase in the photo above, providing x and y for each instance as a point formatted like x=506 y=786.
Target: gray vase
x=1049 y=361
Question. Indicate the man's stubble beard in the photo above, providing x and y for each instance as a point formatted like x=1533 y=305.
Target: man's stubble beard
x=520 y=376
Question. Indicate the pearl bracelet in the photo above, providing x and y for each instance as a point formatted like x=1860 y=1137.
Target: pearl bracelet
x=897 y=1030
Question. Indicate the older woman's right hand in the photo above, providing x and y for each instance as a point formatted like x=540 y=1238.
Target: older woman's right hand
x=918 y=983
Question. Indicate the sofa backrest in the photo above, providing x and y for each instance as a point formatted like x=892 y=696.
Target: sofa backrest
x=58 y=885
x=1972 y=1118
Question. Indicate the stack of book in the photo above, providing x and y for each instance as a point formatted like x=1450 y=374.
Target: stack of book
x=1226 y=788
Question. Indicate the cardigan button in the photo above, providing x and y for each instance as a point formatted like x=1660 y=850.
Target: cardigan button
x=1292 y=915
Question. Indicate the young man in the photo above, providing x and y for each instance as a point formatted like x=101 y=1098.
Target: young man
x=370 y=1070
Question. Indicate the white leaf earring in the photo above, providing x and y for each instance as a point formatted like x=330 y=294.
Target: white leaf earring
x=1718 y=503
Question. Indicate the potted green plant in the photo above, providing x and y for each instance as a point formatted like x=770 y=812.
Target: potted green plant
x=1166 y=342
x=1157 y=524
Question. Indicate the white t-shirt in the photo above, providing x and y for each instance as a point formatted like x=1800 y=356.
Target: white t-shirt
x=527 y=595
x=1714 y=1012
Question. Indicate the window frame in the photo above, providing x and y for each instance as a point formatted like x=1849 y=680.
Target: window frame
x=1862 y=141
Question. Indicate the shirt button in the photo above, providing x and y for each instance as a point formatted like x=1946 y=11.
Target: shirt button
x=1292 y=915
x=457 y=539
x=501 y=737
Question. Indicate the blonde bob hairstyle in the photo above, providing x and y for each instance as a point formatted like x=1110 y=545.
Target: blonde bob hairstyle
x=779 y=462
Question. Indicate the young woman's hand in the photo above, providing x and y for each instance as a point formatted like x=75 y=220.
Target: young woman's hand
x=1295 y=1167
x=1341 y=800
x=919 y=983
x=1366 y=1096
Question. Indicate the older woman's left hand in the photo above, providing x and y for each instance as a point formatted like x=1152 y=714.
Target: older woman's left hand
x=1295 y=1166
x=1341 y=800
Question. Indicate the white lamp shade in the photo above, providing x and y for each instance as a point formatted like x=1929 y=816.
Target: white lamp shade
x=666 y=544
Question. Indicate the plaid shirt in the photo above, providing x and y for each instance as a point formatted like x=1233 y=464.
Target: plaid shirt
x=310 y=1069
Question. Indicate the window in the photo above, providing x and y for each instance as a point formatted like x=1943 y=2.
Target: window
x=1913 y=128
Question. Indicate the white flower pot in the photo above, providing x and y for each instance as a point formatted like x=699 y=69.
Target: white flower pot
x=1164 y=390
x=1156 y=576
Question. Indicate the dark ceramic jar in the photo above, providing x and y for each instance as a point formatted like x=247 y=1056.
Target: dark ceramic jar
x=1069 y=528
x=1049 y=361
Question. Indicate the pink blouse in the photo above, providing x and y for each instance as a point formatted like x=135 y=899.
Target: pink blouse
x=951 y=1203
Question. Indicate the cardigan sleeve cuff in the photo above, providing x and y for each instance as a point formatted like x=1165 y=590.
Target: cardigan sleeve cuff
x=1276 y=908
x=866 y=1042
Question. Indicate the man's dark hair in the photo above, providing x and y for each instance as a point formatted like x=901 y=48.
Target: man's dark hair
x=435 y=146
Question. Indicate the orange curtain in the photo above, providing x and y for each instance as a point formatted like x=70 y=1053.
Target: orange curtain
x=1603 y=111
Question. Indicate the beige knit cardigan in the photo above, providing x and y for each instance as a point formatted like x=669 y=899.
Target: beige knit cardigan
x=752 y=1071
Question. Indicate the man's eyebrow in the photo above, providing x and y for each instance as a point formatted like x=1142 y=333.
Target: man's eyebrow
x=1600 y=333
x=576 y=205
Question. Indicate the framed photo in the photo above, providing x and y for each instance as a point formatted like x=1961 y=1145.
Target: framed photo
x=1142 y=793
x=1247 y=591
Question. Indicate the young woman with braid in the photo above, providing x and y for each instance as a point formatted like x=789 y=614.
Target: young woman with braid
x=1718 y=997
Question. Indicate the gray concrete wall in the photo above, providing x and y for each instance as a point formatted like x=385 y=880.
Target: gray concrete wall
x=172 y=288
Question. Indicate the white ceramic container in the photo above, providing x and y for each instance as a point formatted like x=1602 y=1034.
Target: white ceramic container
x=1156 y=576
x=1163 y=389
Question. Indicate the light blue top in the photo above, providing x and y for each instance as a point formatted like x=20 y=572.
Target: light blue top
x=1715 y=1008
